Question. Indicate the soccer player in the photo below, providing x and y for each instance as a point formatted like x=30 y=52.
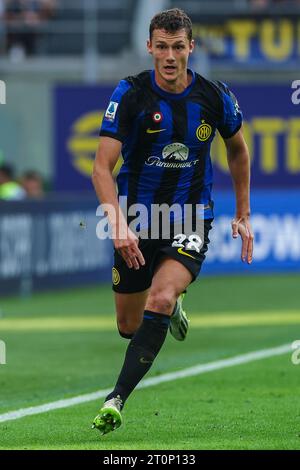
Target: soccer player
x=163 y=121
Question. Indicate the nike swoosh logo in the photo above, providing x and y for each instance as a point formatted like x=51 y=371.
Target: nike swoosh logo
x=184 y=253
x=143 y=361
x=153 y=131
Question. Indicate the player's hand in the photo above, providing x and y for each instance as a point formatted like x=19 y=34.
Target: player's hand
x=129 y=250
x=242 y=226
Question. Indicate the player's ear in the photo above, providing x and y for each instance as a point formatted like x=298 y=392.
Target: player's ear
x=149 y=46
x=192 y=45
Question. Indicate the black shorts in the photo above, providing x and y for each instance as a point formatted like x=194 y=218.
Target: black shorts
x=187 y=250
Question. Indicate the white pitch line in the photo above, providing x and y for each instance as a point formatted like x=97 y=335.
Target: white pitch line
x=189 y=372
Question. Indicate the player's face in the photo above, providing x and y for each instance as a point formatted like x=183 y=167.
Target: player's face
x=170 y=53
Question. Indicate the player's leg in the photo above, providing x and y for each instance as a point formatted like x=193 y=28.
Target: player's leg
x=169 y=280
x=173 y=273
x=192 y=256
x=129 y=311
x=130 y=287
x=131 y=290
x=170 y=290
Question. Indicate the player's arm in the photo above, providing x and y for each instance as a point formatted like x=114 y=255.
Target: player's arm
x=125 y=241
x=239 y=166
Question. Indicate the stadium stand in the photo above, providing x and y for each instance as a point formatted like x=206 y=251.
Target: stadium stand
x=64 y=32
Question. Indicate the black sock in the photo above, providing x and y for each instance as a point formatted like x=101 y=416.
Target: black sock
x=141 y=352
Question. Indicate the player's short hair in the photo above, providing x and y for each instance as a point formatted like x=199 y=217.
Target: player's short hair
x=171 y=21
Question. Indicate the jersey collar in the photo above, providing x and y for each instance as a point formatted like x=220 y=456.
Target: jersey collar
x=167 y=94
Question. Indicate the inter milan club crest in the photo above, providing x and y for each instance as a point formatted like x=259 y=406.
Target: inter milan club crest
x=157 y=116
x=115 y=276
x=204 y=131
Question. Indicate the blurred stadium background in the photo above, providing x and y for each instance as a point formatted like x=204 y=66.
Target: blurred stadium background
x=60 y=61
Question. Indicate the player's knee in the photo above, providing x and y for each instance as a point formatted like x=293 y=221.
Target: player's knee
x=162 y=301
x=125 y=335
x=126 y=328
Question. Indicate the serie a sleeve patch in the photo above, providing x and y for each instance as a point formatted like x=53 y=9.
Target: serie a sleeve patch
x=111 y=111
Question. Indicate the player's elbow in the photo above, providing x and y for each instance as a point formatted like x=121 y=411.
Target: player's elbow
x=239 y=157
x=98 y=174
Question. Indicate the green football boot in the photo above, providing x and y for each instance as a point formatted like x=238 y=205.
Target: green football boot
x=179 y=322
x=109 y=417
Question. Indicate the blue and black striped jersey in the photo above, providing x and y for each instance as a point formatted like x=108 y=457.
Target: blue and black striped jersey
x=166 y=138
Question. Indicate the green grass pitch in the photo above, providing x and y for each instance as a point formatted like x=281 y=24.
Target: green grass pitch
x=64 y=344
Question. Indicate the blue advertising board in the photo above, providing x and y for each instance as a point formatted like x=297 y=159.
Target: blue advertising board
x=51 y=243
x=249 y=41
x=54 y=244
x=272 y=131
x=271 y=128
x=275 y=221
x=78 y=113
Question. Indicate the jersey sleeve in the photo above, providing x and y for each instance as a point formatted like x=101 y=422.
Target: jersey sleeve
x=118 y=116
x=232 y=115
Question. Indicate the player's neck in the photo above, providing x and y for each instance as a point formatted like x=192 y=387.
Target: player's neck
x=174 y=87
